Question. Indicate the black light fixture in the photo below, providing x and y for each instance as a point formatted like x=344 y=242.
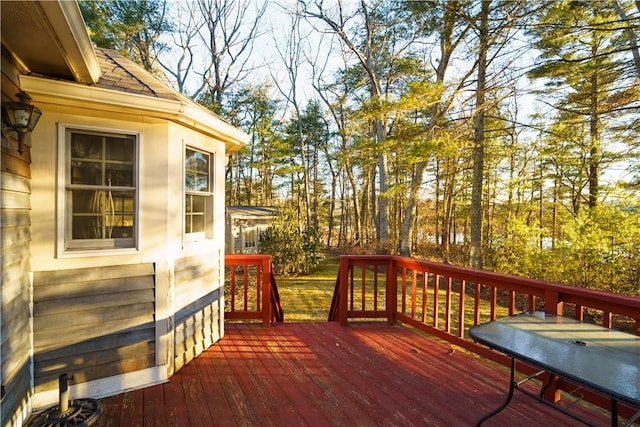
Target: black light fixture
x=20 y=117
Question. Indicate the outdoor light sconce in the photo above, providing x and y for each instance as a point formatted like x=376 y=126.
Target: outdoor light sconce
x=20 y=117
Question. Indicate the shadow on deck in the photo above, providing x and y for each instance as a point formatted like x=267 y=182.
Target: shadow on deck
x=322 y=374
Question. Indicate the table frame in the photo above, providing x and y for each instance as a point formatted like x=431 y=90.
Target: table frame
x=476 y=332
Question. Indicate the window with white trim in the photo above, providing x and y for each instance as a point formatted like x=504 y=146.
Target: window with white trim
x=250 y=237
x=198 y=183
x=100 y=189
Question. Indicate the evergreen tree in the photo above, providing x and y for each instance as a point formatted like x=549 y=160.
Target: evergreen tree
x=132 y=27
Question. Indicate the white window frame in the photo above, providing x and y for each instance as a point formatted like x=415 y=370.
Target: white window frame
x=207 y=234
x=66 y=246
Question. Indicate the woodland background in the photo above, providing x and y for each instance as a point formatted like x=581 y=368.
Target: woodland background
x=502 y=135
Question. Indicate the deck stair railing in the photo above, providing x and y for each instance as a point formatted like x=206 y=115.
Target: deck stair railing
x=445 y=300
x=251 y=291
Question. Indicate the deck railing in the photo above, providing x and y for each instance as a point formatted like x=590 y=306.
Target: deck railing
x=251 y=291
x=445 y=300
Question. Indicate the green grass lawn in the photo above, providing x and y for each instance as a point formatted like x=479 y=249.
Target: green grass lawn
x=308 y=298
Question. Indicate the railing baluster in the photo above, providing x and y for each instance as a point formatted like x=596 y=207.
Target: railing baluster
x=512 y=303
x=461 y=308
x=414 y=295
x=447 y=319
x=476 y=303
x=233 y=288
x=606 y=319
x=494 y=293
x=403 y=282
x=436 y=292
x=351 y=288
x=425 y=278
x=259 y=274
x=245 y=286
x=363 y=289
x=375 y=288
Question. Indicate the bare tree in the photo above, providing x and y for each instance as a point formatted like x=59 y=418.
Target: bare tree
x=181 y=66
x=228 y=35
x=292 y=57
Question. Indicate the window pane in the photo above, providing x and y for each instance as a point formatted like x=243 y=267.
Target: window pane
x=123 y=226
x=250 y=238
x=119 y=174
x=198 y=204
x=86 y=146
x=196 y=171
x=201 y=182
x=119 y=149
x=82 y=201
x=102 y=214
x=197 y=224
x=195 y=213
x=88 y=173
x=86 y=227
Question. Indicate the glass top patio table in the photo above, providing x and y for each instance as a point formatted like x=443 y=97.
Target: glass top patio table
x=605 y=360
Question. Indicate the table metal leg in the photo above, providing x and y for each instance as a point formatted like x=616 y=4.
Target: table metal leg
x=633 y=419
x=512 y=387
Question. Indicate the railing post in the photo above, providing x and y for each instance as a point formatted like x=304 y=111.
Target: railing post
x=343 y=287
x=552 y=305
x=266 y=292
x=392 y=292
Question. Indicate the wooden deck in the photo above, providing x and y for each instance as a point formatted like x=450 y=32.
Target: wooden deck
x=322 y=374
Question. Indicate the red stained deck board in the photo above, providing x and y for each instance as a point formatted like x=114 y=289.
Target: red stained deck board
x=294 y=374
x=352 y=366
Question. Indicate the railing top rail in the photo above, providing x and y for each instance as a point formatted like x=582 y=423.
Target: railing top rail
x=247 y=257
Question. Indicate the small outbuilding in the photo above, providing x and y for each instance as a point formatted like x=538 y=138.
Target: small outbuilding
x=245 y=225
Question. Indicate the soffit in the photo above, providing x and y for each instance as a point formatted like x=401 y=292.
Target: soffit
x=49 y=38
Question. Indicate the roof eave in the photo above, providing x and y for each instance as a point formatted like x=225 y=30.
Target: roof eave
x=182 y=112
x=67 y=23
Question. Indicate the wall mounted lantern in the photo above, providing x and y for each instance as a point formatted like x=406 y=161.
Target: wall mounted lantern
x=20 y=117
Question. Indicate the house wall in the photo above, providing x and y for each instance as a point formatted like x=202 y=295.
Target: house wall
x=15 y=238
x=150 y=309
x=198 y=296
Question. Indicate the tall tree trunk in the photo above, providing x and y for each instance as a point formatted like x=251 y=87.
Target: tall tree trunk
x=383 y=194
x=594 y=134
x=631 y=35
x=478 y=136
x=447 y=46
